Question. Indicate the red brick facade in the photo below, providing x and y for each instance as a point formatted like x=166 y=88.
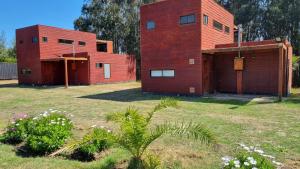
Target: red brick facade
x=40 y=58
x=167 y=44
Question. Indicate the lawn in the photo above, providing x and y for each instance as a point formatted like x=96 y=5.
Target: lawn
x=275 y=127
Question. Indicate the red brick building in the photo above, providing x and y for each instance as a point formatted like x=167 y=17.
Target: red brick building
x=182 y=53
x=53 y=56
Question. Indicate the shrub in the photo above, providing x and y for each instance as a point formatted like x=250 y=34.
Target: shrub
x=17 y=131
x=250 y=158
x=48 y=132
x=96 y=141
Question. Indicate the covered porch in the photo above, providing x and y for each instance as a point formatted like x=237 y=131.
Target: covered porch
x=66 y=70
x=254 y=69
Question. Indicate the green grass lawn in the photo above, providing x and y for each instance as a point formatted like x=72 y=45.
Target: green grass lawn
x=275 y=127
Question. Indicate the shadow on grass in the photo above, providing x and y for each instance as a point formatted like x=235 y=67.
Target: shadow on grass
x=136 y=94
x=36 y=87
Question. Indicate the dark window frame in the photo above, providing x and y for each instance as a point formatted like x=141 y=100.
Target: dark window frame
x=45 y=39
x=26 y=71
x=35 y=39
x=187 y=19
x=99 y=65
x=216 y=25
x=150 y=27
x=81 y=43
x=227 y=30
x=65 y=41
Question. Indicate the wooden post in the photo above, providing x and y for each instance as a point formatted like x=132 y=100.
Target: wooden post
x=66 y=74
x=280 y=74
x=239 y=81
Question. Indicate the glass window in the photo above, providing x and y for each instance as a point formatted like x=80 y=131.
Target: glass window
x=35 y=40
x=81 y=43
x=156 y=73
x=162 y=73
x=218 y=25
x=205 y=20
x=227 y=29
x=45 y=39
x=150 y=25
x=187 y=19
x=168 y=73
x=65 y=41
x=99 y=65
x=25 y=71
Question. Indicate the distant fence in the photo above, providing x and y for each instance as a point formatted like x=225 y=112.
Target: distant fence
x=8 y=71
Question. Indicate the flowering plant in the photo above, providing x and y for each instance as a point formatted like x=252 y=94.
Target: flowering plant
x=47 y=132
x=250 y=158
x=17 y=131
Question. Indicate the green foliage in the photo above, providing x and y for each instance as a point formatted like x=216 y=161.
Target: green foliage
x=93 y=142
x=246 y=160
x=16 y=132
x=135 y=134
x=48 y=132
x=8 y=59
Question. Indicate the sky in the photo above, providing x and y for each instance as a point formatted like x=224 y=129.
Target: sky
x=16 y=14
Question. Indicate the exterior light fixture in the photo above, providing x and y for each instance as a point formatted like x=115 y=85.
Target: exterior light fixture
x=278 y=39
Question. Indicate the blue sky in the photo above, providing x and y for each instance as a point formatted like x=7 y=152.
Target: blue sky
x=21 y=13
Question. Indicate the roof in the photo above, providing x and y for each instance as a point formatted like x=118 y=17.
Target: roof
x=244 y=48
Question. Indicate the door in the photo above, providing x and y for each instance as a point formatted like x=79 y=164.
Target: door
x=207 y=74
x=107 y=71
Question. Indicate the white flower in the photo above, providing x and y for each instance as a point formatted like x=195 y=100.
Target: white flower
x=17 y=124
x=226 y=158
x=20 y=119
x=259 y=151
x=253 y=162
x=276 y=163
x=254 y=168
x=109 y=131
x=35 y=118
x=236 y=162
x=93 y=126
x=250 y=158
x=226 y=164
x=102 y=127
x=246 y=164
x=13 y=122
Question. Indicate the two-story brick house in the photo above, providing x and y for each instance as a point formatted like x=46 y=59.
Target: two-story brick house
x=182 y=52
x=54 y=56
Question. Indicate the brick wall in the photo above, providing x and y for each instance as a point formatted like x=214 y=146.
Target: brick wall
x=209 y=35
x=170 y=46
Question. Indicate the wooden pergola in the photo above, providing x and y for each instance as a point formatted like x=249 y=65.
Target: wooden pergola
x=66 y=59
x=281 y=47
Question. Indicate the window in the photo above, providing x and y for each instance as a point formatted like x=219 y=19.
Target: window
x=99 y=65
x=65 y=41
x=205 y=19
x=150 y=25
x=81 y=43
x=35 y=40
x=162 y=73
x=218 y=25
x=227 y=29
x=102 y=47
x=156 y=73
x=188 y=19
x=25 y=71
x=45 y=39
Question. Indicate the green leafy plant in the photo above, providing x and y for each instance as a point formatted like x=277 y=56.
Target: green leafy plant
x=48 y=132
x=250 y=158
x=96 y=141
x=16 y=132
x=135 y=134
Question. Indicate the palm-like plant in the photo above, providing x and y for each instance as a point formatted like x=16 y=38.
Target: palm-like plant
x=135 y=135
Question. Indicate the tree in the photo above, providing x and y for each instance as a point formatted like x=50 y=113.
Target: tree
x=3 y=52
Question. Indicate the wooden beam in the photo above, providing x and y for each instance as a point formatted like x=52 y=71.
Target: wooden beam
x=244 y=48
x=280 y=74
x=72 y=58
x=66 y=74
x=239 y=82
